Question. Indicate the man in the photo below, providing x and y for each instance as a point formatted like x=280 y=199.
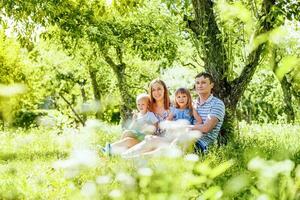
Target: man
x=211 y=110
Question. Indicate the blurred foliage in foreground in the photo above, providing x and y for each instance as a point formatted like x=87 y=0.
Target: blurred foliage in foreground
x=40 y=163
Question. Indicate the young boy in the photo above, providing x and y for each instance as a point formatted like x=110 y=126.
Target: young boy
x=143 y=123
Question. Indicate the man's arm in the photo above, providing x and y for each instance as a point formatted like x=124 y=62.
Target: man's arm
x=208 y=125
x=197 y=117
x=216 y=114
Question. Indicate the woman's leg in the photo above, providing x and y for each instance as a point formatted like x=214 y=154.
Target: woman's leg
x=150 y=144
x=122 y=145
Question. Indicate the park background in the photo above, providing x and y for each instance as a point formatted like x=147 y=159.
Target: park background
x=70 y=72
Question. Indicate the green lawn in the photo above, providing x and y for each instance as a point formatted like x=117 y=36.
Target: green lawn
x=43 y=164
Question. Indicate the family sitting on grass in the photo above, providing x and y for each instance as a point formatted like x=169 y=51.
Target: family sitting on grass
x=148 y=131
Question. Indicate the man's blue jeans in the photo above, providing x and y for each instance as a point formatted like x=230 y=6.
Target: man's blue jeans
x=200 y=146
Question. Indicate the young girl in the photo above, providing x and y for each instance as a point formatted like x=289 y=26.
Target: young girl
x=183 y=108
x=143 y=123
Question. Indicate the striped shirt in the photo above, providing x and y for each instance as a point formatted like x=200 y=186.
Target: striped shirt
x=212 y=107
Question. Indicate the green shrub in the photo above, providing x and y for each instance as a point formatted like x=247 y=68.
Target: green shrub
x=27 y=118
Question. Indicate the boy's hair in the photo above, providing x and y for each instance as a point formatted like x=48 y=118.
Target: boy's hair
x=166 y=94
x=188 y=94
x=206 y=75
x=143 y=97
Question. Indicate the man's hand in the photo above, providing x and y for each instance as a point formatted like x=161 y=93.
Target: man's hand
x=208 y=125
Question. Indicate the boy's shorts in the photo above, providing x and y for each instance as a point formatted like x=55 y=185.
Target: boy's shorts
x=138 y=135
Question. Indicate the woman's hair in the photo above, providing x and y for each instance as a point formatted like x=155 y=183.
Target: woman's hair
x=166 y=94
x=189 y=98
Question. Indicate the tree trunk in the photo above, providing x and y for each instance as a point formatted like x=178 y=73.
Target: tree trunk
x=286 y=87
x=216 y=62
x=126 y=99
x=84 y=98
x=96 y=91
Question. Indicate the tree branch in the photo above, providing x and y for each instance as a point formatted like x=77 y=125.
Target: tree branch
x=239 y=84
x=73 y=110
x=189 y=63
x=110 y=62
x=119 y=54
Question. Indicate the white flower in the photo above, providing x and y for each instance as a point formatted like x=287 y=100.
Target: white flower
x=145 y=171
x=263 y=197
x=172 y=152
x=191 y=157
x=115 y=193
x=125 y=178
x=256 y=164
x=103 y=180
x=86 y=158
x=89 y=189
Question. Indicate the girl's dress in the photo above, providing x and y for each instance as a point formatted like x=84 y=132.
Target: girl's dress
x=182 y=114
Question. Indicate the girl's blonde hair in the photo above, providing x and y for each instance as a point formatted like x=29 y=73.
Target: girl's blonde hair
x=166 y=94
x=189 y=101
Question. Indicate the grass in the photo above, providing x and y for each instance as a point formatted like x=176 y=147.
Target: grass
x=42 y=164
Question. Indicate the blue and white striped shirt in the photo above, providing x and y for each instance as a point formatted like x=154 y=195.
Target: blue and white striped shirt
x=212 y=107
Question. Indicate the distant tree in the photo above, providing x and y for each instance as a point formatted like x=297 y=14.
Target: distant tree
x=126 y=27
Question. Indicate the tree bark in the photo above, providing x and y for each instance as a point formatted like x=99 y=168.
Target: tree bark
x=84 y=97
x=286 y=87
x=95 y=85
x=96 y=91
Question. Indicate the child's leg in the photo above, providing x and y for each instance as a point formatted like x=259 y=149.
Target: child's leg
x=127 y=133
x=122 y=145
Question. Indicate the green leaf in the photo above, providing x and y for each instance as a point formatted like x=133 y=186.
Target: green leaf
x=286 y=65
x=221 y=169
x=213 y=192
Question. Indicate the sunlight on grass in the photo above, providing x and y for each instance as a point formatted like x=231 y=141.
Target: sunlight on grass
x=69 y=166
